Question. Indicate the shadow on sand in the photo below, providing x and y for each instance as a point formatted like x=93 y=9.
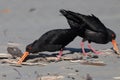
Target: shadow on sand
x=54 y=54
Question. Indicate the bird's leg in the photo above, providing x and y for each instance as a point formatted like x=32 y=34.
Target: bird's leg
x=60 y=54
x=83 y=50
x=96 y=52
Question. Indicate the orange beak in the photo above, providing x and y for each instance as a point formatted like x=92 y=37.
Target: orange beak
x=23 y=57
x=115 y=47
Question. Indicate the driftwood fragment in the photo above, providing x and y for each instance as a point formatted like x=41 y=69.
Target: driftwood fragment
x=57 y=77
x=5 y=55
x=94 y=63
x=62 y=58
x=11 y=61
x=87 y=62
x=14 y=63
x=117 y=78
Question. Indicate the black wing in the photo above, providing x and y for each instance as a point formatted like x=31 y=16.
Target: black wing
x=90 y=22
x=73 y=20
x=60 y=37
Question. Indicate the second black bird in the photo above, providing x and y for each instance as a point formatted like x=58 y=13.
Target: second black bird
x=91 y=28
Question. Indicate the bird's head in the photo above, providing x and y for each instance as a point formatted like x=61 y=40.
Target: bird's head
x=114 y=43
x=63 y=12
x=32 y=48
x=29 y=49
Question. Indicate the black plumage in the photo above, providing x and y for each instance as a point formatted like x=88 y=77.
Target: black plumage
x=52 y=40
x=92 y=29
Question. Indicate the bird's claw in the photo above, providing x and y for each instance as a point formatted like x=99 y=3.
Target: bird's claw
x=98 y=52
x=58 y=58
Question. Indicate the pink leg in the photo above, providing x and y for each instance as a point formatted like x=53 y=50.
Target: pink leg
x=60 y=54
x=83 y=50
x=96 y=52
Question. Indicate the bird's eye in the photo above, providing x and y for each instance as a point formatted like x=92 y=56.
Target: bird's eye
x=30 y=48
x=113 y=35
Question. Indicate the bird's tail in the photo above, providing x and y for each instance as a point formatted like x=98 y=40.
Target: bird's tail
x=74 y=19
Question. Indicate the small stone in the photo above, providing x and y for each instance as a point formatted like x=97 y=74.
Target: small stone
x=4 y=75
x=32 y=9
x=76 y=70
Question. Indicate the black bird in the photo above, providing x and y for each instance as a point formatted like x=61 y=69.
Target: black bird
x=52 y=40
x=91 y=28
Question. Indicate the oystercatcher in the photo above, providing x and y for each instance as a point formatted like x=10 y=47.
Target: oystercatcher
x=91 y=28
x=52 y=40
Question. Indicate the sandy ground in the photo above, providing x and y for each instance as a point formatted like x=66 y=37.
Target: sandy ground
x=22 y=21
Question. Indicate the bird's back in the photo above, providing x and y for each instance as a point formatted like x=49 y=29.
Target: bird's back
x=55 y=39
x=58 y=36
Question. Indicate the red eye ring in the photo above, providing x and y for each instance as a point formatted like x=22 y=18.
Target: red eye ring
x=113 y=35
x=30 y=48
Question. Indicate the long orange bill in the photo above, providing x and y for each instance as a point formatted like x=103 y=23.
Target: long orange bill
x=115 y=47
x=23 y=57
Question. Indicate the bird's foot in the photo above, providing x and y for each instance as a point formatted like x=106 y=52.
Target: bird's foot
x=85 y=54
x=58 y=58
x=97 y=52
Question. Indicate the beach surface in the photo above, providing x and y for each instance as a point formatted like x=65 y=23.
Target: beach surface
x=23 y=21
